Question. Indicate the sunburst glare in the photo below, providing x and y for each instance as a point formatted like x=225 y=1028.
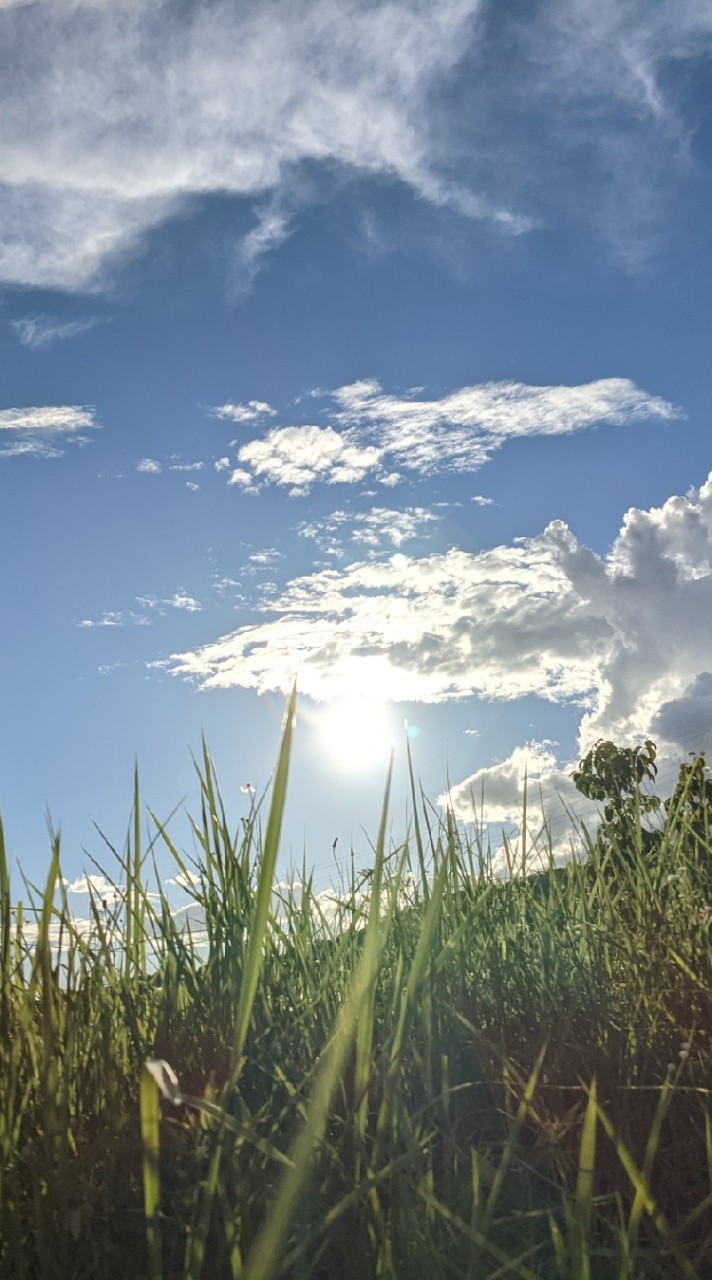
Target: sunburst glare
x=357 y=733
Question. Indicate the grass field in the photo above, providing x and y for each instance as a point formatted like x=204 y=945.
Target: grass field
x=432 y=1075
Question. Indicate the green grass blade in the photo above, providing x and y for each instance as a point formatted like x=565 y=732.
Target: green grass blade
x=150 y=1109
x=263 y=897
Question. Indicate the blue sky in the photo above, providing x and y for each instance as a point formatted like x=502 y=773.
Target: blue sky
x=364 y=343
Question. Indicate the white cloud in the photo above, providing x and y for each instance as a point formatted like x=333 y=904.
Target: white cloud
x=461 y=430
x=626 y=637
x=380 y=524
x=98 y=886
x=148 y=466
x=241 y=479
x=369 y=528
x=48 y=419
x=31 y=448
x=271 y=231
x=179 y=600
x=116 y=618
x=480 y=501
x=42 y=331
x=253 y=411
x=185 y=880
x=171 y=102
x=463 y=102
x=458 y=432
x=495 y=793
x=299 y=457
x=38 y=427
x=264 y=559
x=429 y=629
x=186 y=466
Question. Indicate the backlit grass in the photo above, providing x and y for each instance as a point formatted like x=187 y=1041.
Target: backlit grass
x=434 y=1074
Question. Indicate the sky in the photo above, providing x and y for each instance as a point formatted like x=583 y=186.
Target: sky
x=364 y=344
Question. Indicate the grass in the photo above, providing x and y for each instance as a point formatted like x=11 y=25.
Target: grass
x=435 y=1074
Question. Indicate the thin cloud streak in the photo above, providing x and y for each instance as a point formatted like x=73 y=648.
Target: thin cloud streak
x=48 y=418
x=40 y=332
x=37 y=428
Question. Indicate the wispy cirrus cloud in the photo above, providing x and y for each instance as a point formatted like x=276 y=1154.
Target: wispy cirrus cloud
x=40 y=332
x=460 y=431
x=149 y=605
x=462 y=102
x=384 y=435
x=173 y=102
x=48 y=419
x=35 y=431
x=115 y=618
x=273 y=227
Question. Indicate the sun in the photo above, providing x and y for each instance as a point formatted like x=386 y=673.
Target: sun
x=357 y=733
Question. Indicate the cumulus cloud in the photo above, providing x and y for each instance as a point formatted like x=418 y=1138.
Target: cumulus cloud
x=241 y=479
x=41 y=331
x=625 y=636
x=98 y=886
x=686 y=721
x=427 y=629
x=173 y=102
x=494 y=794
x=299 y=457
x=148 y=466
